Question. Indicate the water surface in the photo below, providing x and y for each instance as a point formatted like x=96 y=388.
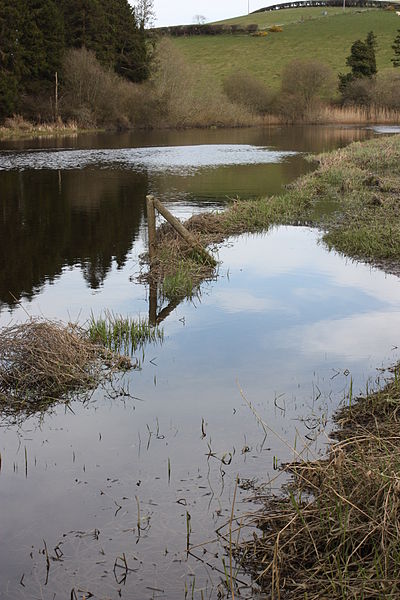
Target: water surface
x=287 y=324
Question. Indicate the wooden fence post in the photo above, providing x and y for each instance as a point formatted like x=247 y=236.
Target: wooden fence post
x=151 y=225
x=183 y=232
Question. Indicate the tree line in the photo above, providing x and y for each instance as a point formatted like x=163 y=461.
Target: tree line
x=35 y=34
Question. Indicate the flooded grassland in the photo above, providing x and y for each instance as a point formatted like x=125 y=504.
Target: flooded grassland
x=104 y=497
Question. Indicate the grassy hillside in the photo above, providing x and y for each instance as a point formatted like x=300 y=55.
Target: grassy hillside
x=306 y=34
x=287 y=15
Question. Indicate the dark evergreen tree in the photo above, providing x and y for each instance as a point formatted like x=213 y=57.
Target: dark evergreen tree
x=109 y=28
x=372 y=45
x=11 y=60
x=35 y=33
x=85 y=24
x=361 y=60
x=130 y=44
x=396 y=49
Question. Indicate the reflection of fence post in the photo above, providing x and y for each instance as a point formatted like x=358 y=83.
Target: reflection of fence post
x=151 y=225
x=153 y=304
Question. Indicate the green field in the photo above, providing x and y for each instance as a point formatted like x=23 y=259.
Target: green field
x=306 y=34
x=287 y=16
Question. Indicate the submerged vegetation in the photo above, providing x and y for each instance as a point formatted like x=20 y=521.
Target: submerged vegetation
x=360 y=187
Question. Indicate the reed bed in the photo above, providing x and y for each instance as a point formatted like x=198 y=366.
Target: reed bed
x=123 y=334
x=335 y=531
x=357 y=115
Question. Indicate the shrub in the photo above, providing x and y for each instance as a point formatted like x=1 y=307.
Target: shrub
x=304 y=85
x=359 y=91
x=248 y=91
x=174 y=96
x=252 y=28
x=96 y=96
x=275 y=29
x=387 y=90
x=186 y=98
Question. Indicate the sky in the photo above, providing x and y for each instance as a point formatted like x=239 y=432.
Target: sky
x=178 y=12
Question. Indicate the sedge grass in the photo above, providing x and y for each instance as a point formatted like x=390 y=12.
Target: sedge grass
x=123 y=334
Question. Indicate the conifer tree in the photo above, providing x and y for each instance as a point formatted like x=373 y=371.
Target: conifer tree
x=396 y=49
x=372 y=45
x=34 y=35
x=131 y=52
x=361 y=60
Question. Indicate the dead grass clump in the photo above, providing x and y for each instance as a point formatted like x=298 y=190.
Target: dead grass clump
x=45 y=361
x=335 y=534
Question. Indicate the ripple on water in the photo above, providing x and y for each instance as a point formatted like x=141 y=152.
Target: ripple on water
x=179 y=159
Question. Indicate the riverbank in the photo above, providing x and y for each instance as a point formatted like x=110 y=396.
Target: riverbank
x=334 y=532
x=17 y=128
x=352 y=196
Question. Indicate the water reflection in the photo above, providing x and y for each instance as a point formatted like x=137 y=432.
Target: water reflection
x=52 y=220
x=63 y=219
x=287 y=319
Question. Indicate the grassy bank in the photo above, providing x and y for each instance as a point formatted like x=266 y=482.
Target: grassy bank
x=352 y=196
x=18 y=128
x=335 y=532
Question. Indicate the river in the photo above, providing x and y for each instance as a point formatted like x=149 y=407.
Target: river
x=286 y=332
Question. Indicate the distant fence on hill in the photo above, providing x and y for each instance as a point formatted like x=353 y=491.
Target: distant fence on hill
x=349 y=3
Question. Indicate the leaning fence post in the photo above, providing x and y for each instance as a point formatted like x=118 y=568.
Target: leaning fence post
x=183 y=232
x=151 y=225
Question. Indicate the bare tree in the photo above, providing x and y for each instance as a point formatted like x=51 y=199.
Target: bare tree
x=144 y=12
x=199 y=19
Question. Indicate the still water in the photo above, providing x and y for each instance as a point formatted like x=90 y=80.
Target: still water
x=281 y=336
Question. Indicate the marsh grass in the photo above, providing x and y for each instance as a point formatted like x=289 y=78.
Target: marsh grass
x=123 y=335
x=335 y=531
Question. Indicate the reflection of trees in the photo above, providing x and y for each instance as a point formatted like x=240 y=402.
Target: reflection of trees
x=50 y=220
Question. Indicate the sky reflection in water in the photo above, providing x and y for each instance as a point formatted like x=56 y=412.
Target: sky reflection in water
x=286 y=320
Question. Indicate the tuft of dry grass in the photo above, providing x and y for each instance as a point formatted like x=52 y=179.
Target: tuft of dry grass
x=43 y=361
x=335 y=532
